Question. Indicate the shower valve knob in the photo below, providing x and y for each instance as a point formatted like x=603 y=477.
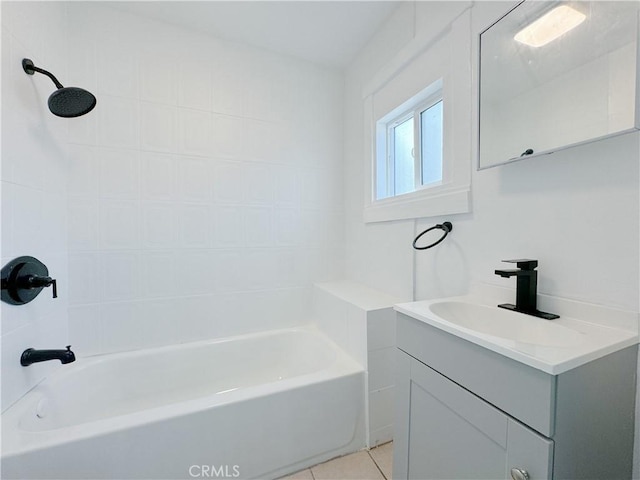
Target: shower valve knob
x=23 y=279
x=34 y=281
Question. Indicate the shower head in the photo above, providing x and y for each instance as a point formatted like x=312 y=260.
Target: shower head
x=71 y=102
x=67 y=102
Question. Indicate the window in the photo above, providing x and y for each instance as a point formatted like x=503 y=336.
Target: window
x=409 y=153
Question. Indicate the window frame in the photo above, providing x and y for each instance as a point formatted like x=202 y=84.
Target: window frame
x=424 y=65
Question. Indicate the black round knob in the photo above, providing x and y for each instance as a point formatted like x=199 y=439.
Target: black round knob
x=23 y=278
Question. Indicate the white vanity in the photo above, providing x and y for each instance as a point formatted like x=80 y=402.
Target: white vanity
x=485 y=393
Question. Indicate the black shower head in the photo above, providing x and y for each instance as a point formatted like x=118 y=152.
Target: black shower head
x=67 y=102
x=71 y=102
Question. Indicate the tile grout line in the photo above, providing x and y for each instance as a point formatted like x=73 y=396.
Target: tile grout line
x=376 y=464
x=312 y=475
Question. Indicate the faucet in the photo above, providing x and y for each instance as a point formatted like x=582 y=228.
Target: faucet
x=526 y=288
x=31 y=355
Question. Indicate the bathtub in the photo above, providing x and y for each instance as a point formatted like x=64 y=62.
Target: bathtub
x=253 y=406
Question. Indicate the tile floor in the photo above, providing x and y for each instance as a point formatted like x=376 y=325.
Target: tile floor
x=372 y=465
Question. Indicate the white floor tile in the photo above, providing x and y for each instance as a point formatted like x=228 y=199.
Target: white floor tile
x=383 y=456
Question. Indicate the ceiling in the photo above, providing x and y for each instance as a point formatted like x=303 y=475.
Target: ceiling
x=329 y=33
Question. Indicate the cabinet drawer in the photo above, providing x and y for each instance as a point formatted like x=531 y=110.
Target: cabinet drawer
x=521 y=391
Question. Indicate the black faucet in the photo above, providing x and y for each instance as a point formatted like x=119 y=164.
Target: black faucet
x=526 y=288
x=31 y=355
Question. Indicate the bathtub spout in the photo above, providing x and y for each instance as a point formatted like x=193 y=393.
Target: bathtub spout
x=31 y=355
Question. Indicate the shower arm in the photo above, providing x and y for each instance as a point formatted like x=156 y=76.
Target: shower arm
x=30 y=68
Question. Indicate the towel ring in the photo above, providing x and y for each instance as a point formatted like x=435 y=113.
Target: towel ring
x=445 y=226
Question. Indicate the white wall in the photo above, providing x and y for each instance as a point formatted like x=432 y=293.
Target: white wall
x=33 y=183
x=576 y=211
x=205 y=192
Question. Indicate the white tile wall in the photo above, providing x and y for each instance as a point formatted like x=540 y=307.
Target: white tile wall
x=158 y=225
x=187 y=183
x=33 y=187
x=381 y=332
x=194 y=91
x=158 y=127
x=381 y=409
x=158 y=79
x=381 y=368
x=156 y=176
x=123 y=132
x=201 y=197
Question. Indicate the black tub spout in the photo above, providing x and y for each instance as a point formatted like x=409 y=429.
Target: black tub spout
x=31 y=355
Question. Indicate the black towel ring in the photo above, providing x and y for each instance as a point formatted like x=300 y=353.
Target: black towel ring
x=446 y=226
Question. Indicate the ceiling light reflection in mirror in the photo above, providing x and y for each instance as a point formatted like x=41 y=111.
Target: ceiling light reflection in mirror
x=550 y=26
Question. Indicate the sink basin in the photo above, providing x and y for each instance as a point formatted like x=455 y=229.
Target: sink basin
x=583 y=333
x=504 y=324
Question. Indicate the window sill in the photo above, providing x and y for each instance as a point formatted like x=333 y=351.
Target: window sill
x=420 y=204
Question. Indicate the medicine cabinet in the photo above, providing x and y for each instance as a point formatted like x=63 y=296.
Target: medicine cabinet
x=555 y=75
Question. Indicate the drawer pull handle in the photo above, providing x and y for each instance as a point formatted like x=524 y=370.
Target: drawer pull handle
x=519 y=474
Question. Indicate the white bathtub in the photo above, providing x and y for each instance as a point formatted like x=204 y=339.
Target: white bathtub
x=254 y=406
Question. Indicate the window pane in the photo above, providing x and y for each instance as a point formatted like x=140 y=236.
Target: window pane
x=431 y=144
x=403 y=157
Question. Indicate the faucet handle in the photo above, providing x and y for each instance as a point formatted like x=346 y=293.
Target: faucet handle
x=36 y=281
x=524 y=263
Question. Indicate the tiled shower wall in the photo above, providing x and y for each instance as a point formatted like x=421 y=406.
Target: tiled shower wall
x=33 y=184
x=205 y=190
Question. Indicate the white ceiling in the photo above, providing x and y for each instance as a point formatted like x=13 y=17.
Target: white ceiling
x=326 y=32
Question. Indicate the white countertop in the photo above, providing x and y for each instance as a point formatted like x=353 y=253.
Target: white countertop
x=589 y=340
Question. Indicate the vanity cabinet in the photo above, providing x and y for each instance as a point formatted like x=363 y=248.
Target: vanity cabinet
x=465 y=412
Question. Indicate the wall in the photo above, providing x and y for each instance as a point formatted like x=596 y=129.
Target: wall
x=33 y=186
x=576 y=211
x=205 y=192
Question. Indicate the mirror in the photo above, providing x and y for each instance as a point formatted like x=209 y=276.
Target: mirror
x=557 y=74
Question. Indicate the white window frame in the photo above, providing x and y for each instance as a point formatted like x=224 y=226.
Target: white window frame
x=411 y=79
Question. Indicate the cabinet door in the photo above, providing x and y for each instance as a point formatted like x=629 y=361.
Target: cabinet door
x=452 y=434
